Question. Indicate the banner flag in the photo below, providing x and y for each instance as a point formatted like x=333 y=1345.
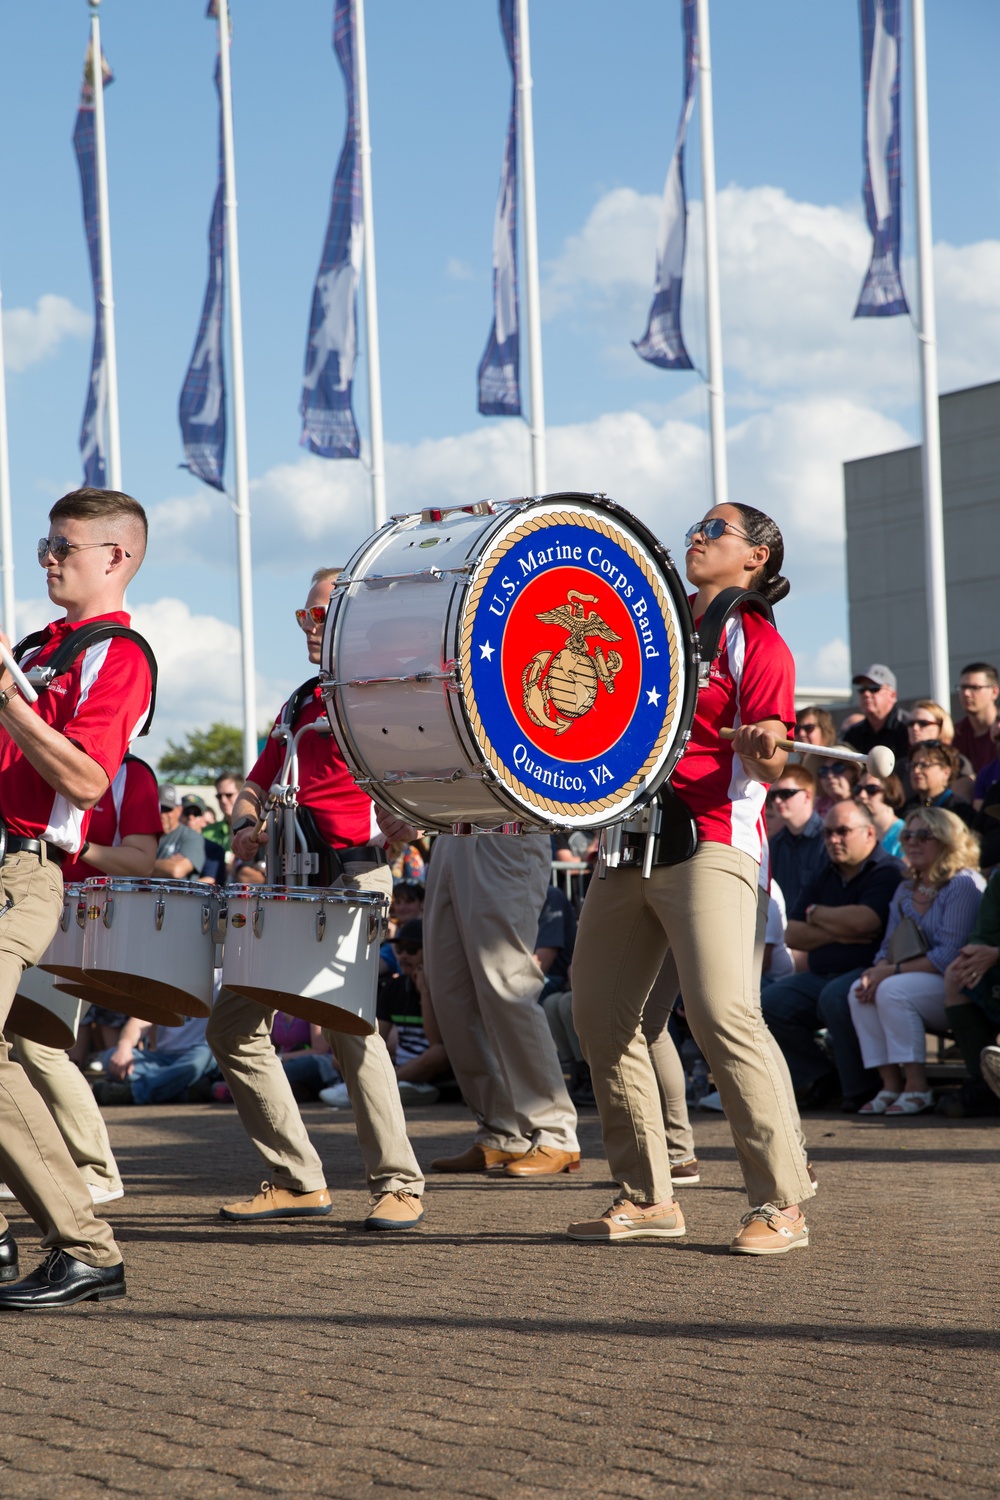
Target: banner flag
x=498 y=374
x=882 y=295
x=328 y=425
x=663 y=343
x=202 y=410
x=93 y=440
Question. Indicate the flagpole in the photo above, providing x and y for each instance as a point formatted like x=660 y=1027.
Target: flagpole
x=371 y=298
x=716 y=384
x=104 y=231
x=526 y=139
x=6 y=536
x=934 y=568
x=242 y=507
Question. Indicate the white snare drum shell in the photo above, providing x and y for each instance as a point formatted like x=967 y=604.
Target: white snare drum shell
x=43 y=1013
x=153 y=943
x=64 y=955
x=313 y=954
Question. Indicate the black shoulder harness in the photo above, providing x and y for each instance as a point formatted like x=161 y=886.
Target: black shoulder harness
x=76 y=642
x=713 y=623
x=298 y=701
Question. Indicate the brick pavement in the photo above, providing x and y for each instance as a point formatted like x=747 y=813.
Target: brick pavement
x=486 y=1356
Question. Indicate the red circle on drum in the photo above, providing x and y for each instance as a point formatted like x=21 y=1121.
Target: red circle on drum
x=571 y=662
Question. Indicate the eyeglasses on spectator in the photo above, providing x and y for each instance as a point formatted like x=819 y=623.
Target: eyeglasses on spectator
x=843 y=829
x=916 y=836
x=868 y=789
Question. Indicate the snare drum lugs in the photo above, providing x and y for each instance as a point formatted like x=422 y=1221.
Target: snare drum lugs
x=529 y=664
x=309 y=952
x=152 y=941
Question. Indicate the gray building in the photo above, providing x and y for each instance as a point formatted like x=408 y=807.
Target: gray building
x=885 y=546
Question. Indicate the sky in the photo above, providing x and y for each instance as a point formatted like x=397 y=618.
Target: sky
x=807 y=387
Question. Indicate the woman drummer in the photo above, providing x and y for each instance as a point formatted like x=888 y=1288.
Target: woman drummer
x=704 y=910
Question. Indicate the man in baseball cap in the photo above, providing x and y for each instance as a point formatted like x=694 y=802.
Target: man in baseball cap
x=876 y=688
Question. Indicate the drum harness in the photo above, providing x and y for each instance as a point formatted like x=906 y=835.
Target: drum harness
x=74 y=645
x=664 y=832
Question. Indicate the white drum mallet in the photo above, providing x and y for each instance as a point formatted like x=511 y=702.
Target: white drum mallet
x=27 y=691
x=879 y=761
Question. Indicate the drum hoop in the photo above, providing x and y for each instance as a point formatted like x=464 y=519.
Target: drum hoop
x=484 y=574
x=300 y=893
x=144 y=885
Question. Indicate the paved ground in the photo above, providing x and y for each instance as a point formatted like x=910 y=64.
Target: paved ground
x=484 y=1355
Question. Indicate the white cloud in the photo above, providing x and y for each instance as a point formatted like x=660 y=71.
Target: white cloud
x=459 y=270
x=31 y=335
x=829 y=666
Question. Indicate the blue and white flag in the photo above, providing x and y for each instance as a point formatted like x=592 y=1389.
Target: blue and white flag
x=498 y=376
x=202 y=410
x=93 y=439
x=328 y=425
x=882 y=295
x=663 y=343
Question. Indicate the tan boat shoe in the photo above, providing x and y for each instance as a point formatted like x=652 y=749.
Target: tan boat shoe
x=627 y=1221
x=543 y=1161
x=768 y=1231
x=279 y=1203
x=475 y=1159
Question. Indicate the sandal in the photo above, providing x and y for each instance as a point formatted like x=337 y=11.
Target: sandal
x=880 y=1104
x=913 y=1103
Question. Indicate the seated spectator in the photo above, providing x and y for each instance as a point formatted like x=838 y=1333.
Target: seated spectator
x=778 y=957
x=926 y=721
x=990 y=775
x=902 y=995
x=181 y=1057
x=554 y=940
x=978 y=690
x=181 y=851
x=408 y=1024
x=838 y=921
x=933 y=768
x=195 y=814
x=835 y=782
x=245 y=874
x=99 y=1030
x=972 y=1007
x=798 y=850
x=227 y=789
x=813 y=726
x=883 y=797
x=882 y=724
x=407 y=902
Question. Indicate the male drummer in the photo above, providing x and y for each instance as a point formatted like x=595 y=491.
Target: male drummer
x=57 y=758
x=239 y=1031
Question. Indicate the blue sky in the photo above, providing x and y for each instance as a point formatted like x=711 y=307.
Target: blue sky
x=807 y=387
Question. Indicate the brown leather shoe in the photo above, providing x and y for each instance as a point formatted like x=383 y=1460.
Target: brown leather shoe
x=476 y=1159
x=279 y=1203
x=543 y=1161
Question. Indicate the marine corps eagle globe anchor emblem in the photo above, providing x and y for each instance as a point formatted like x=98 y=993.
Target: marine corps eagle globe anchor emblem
x=561 y=686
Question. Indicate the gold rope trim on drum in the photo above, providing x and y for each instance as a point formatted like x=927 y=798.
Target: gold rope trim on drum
x=502 y=771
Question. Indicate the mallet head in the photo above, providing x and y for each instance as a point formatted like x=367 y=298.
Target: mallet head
x=881 y=762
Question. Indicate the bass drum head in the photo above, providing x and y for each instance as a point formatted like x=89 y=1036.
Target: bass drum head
x=577 y=661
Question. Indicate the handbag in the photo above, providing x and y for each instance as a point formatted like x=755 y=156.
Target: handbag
x=907 y=942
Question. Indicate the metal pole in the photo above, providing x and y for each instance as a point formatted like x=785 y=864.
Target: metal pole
x=526 y=140
x=371 y=298
x=934 y=569
x=242 y=507
x=6 y=537
x=716 y=383
x=107 y=296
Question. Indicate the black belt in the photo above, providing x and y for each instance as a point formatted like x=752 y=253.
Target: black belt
x=17 y=845
x=363 y=854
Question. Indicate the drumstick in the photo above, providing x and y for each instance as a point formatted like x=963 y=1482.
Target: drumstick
x=879 y=761
x=27 y=691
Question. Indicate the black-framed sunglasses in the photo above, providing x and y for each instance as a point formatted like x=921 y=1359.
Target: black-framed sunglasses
x=410 y=948
x=869 y=789
x=916 y=836
x=711 y=530
x=783 y=793
x=842 y=830
x=928 y=745
x=805 y=728
x=60 y=547
x=825 y=772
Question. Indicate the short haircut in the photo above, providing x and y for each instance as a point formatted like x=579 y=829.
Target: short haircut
x=800 y=776
x=827 y=727
x=859 y=807
x=322 y=574
x=89 y=504
x=227 y=776
x=410 y=890
x=987 y=668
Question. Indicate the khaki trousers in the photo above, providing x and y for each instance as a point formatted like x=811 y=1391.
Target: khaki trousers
x=71 y=1103
x=34 y=1159
x=239 y=1033
x=484 y=896
x=705 y=913
x=666 y=1062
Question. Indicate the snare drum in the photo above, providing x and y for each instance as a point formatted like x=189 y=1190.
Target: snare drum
x=64 y=955
x=311 y=953
x=153 y=942
x=43 y=1013
x=527 y=665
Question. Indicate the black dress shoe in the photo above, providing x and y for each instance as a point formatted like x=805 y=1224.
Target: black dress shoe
x=8 y=1256
x=59 y=1282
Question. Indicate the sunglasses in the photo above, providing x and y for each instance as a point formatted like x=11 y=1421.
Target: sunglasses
x=872 y=690
x=922 y=757
x=869 y=789
x=925 y=723
x=312 y=617
x=843 y=829
x=711 y=530
x=410 y=948
x=60 y=548
x=806 y=728
x=782 y=793
x=826 y=771
x=166 y=809
x=916 y=836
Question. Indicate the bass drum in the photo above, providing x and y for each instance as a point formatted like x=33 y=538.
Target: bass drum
x=516 y=666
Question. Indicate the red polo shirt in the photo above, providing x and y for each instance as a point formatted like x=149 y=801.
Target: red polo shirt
x=130 y=805
x=100 y=703
x=344 y=814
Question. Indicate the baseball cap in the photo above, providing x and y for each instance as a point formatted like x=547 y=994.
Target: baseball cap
x=193 y=803
x=882 y=675
x=411 y=932
x=169 y=795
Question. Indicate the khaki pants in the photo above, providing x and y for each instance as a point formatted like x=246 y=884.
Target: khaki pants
x=239 y=1033
x=705 y=913
x=72 y=1105
x=484 y=896
x=34 y=1159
